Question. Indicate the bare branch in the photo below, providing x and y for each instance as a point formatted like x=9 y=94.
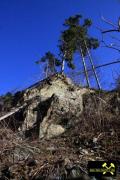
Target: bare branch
x=111 y=36
x=116 y=27
x=109 y=22
x=110 y=46
x=111 y=30
x=97 y=67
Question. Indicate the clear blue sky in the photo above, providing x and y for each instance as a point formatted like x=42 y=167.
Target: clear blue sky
x=29 y=28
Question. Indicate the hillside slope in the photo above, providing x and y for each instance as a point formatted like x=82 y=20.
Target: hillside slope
x=55 y=127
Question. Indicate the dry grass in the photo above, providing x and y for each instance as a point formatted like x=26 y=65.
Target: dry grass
x=95 y=137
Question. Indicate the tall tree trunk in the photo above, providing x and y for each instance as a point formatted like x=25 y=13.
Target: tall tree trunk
x=63 y=64
x=92 y=64
x=85 y=68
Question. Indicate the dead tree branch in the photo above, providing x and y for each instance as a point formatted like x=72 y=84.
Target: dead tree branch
x=96 y=67
x=111 y=30
x=110 y=46
x=117 y=27
x=109 y=22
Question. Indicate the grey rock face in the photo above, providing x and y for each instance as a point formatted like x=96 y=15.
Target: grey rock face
x=58 y=107
x=60 y=115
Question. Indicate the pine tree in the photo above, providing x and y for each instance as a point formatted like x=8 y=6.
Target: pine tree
x=74 y=39
x=50 y=62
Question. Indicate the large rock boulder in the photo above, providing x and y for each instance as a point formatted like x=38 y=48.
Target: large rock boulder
x=55 y=106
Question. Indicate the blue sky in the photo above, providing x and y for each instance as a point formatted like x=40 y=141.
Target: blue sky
x=29 y=28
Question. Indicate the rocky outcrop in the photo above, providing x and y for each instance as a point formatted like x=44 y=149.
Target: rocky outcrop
x=56 y=106
x=48 y=108
x=53 y=105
